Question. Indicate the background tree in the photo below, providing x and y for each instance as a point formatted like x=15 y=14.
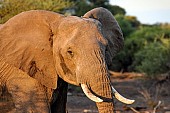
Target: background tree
x=115 y=10
x=153 y=58
x=146 y=50
x=99 y=3
x=9 y=8
x=128 y=24
x=82 y=6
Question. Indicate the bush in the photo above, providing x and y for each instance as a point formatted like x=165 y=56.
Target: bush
x=152 y=59
x=146 y=50
x=125 y=25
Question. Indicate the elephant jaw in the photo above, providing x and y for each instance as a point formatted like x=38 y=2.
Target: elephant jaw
x=94 y=98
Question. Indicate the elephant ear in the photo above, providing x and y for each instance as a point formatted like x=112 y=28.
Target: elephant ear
x=27 y=45
x=110 y=30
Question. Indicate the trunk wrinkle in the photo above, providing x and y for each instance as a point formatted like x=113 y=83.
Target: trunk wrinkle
x=96 y=76
x=102 y=88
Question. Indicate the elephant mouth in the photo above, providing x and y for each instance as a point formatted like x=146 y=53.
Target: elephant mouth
x=94 y=98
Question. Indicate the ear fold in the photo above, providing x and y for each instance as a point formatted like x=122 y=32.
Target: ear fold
x=45 y=69
x=110 y=29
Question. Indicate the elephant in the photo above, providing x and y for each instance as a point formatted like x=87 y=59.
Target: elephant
x=39 y=48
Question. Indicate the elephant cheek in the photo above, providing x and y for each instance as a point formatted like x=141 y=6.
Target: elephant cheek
x=65 y=71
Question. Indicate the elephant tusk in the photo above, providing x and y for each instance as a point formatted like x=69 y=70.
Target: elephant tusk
x=88 y=93
x=121 y=98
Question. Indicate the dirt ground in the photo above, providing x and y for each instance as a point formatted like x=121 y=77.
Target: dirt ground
x=149 y=95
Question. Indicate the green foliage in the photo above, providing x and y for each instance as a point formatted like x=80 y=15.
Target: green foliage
x=82 y=6
x=9 y=8
x=144 y=36
x=146 y=45
x=99 y=3
x=133 y=21
x=128 y=24
x=115 y=10
x=153 y=58
x=147 y=50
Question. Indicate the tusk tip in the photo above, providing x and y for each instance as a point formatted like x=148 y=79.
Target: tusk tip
x=123 y=99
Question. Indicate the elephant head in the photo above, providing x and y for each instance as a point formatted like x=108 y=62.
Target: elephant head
x=76 y=49
x=83 y=49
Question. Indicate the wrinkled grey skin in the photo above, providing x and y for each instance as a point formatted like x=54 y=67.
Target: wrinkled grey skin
x=38 y=47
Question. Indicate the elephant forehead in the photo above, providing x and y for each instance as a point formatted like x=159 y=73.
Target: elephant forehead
x=81 y=30
x=74 y=22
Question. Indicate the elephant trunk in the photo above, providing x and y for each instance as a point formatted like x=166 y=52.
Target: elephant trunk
x=102 y=88
x=95 y=76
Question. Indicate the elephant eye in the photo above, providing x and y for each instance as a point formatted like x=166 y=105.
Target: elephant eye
x=70 y=52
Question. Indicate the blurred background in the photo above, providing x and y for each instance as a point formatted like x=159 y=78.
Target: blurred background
x=146 y=28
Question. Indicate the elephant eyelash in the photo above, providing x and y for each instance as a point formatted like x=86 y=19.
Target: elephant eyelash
x=70 y=52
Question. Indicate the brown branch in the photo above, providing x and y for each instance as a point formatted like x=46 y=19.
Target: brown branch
x=159 y=103
x=134 y=110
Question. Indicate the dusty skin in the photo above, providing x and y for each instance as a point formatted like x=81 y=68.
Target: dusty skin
x=39 y=49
